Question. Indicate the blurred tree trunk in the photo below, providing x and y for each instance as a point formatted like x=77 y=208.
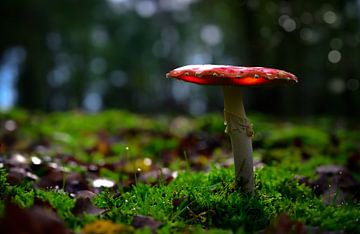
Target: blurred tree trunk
x=251 y=34
x=32 y=83
x=255 y=55
x=25 y=24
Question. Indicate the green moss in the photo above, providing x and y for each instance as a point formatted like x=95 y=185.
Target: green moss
x=195 y=201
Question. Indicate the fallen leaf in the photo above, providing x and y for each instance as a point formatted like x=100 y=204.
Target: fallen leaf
x=85 y=194
x=163 y=175
x=284 y=225
x=106 y=227
x=353 y=162
x=335 y=184
x=83 y=205
x=2 y=148
x=198 y=144
x=35 y=220
x=140 y=221
x=17 y=174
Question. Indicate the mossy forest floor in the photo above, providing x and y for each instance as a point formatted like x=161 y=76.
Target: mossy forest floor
x=117 y=172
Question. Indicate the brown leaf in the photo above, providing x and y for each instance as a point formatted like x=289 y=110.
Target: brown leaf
x=35 y=220
x=177 y=201
x=140 y=221
x=284 y=225
x=43 y=204
x=164 y=175
x=85 y=194
x=198 y=144
x=75 y=182
x=17 y=174
x=335 y=184
x=56 y=178
x=84 y=205
x=353 y=162
x=2 y=148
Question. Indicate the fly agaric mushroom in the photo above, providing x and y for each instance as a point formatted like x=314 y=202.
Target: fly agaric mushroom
x=237 y=125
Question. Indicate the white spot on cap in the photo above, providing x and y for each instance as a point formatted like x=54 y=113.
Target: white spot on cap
x=198 y=67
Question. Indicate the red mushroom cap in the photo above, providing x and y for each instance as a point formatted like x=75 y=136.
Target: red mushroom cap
x=232 y=75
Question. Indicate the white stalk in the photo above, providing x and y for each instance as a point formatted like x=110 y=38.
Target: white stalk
x=239 y=129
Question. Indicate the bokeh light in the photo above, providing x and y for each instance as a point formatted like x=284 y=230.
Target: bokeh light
x=334 y=56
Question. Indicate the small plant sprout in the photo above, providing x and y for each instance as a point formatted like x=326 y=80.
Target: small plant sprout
x=237 y=125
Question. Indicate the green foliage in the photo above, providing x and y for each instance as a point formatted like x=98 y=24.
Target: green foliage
x=194 y=201
x=3 y=183
x=286 y=135
x=213 y=123
x=59 y=200
x=23 y=194
x=156 y=145
x=210 y=200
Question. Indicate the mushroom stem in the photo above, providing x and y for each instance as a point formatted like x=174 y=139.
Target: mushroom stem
x=239 y=129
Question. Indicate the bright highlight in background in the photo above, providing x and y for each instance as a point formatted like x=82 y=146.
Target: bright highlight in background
x=9 y=71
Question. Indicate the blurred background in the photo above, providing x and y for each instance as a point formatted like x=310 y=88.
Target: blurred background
x=95 y=54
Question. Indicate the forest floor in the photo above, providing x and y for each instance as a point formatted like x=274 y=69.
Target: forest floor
x=118 y=172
